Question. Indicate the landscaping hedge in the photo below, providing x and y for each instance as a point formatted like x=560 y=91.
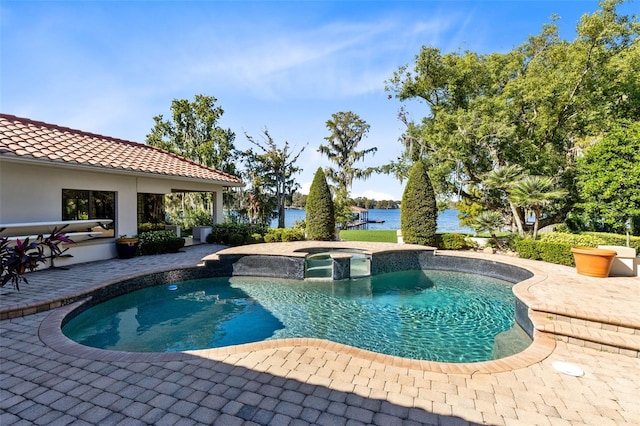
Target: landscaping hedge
x=591 y=239
x=552 y=252
x=235 y=234
x=276 y=235
x=159 y=242
x=452 y=241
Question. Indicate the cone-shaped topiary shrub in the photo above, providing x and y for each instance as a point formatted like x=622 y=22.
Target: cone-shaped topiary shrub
x=418 y=212
x=320 y=218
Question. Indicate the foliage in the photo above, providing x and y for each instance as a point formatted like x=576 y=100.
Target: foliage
x=575 y=240
x=453 y=241
x=271 y=172
x=25 y=256
x=320 y=219
x=342 y=209
x=150 y=226
x=535 y=192
x=529 y=106
x=347 y=130
x=609 y=178
x=610 y=239
x=468 y=210
x=284 y=235
x=501 y=180
x=377 y=236
x=298 y=200
x=193 y=132
x=367 y=203
x=552 y=252
x=159 y=242
x=418 y=211
x=591 y=239
x=490 y=222
x=229 y=233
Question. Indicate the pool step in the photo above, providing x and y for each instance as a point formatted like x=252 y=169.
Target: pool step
x=592 y=334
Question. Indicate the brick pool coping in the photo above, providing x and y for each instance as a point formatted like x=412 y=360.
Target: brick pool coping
x=542 y=345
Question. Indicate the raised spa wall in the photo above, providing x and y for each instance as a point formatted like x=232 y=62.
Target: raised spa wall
x=293 y=267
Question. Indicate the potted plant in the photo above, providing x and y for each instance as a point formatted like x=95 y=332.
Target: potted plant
x=593 y=262
x=18 y=257
x=126 y=247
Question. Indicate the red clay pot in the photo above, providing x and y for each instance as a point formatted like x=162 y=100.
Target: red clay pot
x=593 y=262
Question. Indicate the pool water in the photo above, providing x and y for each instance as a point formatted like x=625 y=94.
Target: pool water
x=431 y=315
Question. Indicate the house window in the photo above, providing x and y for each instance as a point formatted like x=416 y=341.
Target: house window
x=83 y=205
x=151 y=209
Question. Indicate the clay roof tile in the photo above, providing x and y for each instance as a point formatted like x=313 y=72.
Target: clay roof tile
x=28 y=138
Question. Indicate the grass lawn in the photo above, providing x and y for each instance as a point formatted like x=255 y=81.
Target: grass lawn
x=378 y=236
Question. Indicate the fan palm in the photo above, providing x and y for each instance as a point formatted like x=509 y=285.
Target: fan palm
x=503 y=178
x=535 y=192
x=489 y=221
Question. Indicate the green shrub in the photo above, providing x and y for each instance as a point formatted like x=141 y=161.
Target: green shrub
x=552 y=252
x=418 y=212
x=199 y=217
x=591 y=239
x=221 y=233
x=150 y=226
x=236 y=239
x=615 y=239
x=158 y=242
x=575 y=240
x=275 y=235
x=559 y=253
x=452 y=241
x=320 y=218
x=528 y=249
x=255 y=238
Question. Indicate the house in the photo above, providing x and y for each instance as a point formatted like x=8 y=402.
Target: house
x=51 y=174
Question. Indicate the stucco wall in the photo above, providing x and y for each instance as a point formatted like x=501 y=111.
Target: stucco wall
x=33 y=193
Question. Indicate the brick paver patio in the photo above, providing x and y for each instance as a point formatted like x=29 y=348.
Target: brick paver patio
x=591 y=323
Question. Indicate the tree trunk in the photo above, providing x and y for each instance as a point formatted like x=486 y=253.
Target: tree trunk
x=536 y=223
x=516 y=217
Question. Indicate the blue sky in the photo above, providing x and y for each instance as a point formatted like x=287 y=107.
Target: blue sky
x=108 y=67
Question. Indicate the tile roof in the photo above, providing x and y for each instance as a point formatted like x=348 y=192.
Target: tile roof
x=34 y=140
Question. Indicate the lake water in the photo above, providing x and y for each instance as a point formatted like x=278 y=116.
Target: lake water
x=447 y=220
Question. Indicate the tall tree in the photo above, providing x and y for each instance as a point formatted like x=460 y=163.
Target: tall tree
x=418 y=211
x=320 y=220
x=193 y=132
x=609 y=179
x=272 y=168
x=526 y=107
x=347 y=130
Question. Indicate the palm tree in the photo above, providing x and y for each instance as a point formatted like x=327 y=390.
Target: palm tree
x=503 y=178
x=489 y=221
x=535 y=192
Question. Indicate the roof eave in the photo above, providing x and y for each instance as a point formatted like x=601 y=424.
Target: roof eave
x=112 y=170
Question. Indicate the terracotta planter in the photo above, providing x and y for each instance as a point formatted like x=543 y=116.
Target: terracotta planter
x=593 y=262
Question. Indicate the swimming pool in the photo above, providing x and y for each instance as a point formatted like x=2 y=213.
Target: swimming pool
x=435 y=315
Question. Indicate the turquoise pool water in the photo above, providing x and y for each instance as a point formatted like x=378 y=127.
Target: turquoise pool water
x=431 y=315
